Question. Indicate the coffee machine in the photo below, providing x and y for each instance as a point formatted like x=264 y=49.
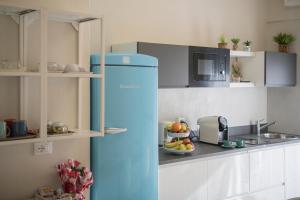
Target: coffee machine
x=213 y=129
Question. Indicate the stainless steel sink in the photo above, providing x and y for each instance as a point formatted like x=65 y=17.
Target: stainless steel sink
x=289 y=137
x=279 y=136
x=254 y=141
x=266 y=138
x=272 y=135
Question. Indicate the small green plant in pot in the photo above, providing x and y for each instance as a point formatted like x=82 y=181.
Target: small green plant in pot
x=222 y=42
x=247 y=46
x=235 y=42
x=236 y=73
x=284 y=40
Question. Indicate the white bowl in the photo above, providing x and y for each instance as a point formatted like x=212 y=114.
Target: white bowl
x=178 y=135
x=71 y=68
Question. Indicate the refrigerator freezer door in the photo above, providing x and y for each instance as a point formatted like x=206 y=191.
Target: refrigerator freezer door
x=125 y=166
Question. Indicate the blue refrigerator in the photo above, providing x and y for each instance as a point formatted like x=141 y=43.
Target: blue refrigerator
x=125 y=165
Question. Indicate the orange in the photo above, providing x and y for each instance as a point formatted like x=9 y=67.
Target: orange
x=176 y=127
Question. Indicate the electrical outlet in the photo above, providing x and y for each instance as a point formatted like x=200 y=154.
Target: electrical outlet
x=43 y=148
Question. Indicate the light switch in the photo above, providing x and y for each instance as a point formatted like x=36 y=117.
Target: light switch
x=43 y=148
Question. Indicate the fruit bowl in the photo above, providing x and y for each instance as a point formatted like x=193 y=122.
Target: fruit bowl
x=178 y=135
x=179 y=146
x=175 y=151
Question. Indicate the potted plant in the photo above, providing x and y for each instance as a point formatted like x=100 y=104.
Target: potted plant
x=236 y=73
x=283 y=40
x=247 y=45
x=235 y=42
x=222 y=42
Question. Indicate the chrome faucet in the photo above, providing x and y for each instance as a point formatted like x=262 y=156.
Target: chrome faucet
x=259 y=127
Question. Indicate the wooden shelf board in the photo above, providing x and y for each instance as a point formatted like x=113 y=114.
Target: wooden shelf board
x=77 y=135
x=74 y=75
x=6 y=73
x=72 y=17
x=241 y=84
x=239 y=54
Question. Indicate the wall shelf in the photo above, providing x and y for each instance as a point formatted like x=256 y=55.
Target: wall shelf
x=74 y=75
x=42 y=90
x=19 y=74
x=77 y=135
x=241 y=84
x=241 y=54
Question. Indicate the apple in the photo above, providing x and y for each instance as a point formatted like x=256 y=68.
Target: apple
x=186 y=141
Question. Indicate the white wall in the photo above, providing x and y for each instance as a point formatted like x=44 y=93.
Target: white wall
x=283 y=103
x=196 y=22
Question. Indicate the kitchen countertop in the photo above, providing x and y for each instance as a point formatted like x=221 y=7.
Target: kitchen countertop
x=203 y=150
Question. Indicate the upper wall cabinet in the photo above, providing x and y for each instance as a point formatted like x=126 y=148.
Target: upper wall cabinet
x=270 y=69
x=280 y=69
x=173 y=70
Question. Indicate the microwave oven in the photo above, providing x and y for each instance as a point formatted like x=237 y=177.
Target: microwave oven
x=209 y=67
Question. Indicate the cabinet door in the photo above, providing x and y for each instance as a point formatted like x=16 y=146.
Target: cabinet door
x=228 y=177
x=183 y=181
x=280 y=69
x=292 y=172
x=276 y=193
x=173 y=69
x=266 y=169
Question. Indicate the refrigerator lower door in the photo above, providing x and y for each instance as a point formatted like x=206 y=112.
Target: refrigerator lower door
x=125 y=166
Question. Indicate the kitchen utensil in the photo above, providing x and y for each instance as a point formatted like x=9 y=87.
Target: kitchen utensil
x=178 y=135
x=52 y=66
x=9 y=123
x=71 y=68
x=19 y=128
x=162 y=132
x=60 y=67
x=240 y=143
x=213 y=129
x=4 y=130
x=228 y=146
x=227 y=143
x=59 y=128
x=180 y=152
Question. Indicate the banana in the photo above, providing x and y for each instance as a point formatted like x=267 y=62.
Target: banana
x=171 y=144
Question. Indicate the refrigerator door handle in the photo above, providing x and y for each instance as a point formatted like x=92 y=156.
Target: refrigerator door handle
x=110 y=130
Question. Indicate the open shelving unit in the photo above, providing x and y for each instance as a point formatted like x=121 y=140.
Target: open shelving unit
x=24 y=17
x=237 y=55
x=241 y=54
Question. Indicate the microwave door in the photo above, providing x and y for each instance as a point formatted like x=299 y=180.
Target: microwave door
x=205 y=67
x=206 y=70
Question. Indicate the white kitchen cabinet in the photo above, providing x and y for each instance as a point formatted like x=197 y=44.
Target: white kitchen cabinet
x=183 y=181
x=266 y=169
x=228 y=176
x=292 y=172
x=275 y=193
